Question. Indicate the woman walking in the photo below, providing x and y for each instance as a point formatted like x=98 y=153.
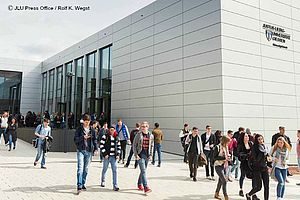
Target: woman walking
x=259 y=158
x=221 y=157
x=244 y=150
x=12 y=133
x=193 y=151
x=280 y=155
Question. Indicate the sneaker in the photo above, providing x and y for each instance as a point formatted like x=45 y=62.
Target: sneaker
x=78 y=191
x=102 y=184
x=248 y=197
x=153 y=163
x=140 y=188
x=14 y=148
x=147 y=190
x=123 y=162
x=158 y=165
x=9 y=149
x=241 y=193
x=194 y=179
x=35 y=163
x=126 y=166
x=83 y=188
x=298 y=184
x=43 y=167
x=116 y=189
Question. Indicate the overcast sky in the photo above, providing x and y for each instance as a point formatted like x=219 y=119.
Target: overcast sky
x=37 y=35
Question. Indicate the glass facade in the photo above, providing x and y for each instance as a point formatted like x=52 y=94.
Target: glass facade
x=105 y=82
x=68 y=86
x=51 y=91
x=91 y=86
x=91 y=83
x=44 y=91
x=10 y=91
x=59 y=85
x=78 y=89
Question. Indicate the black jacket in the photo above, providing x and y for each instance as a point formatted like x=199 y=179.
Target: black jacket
x=211 y=140
x=277 y=135
x=244 y=154
x=258 y=159
x=91 y=142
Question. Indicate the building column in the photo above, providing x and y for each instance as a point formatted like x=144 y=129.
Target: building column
x=73 y=87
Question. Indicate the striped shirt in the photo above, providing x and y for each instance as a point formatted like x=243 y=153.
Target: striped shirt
x=109 y=147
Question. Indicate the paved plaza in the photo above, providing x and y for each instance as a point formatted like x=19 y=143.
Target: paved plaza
x=21 y=180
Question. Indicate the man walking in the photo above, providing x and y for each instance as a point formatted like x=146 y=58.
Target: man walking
x=143 y=150
x=110 y=148
x=208 y=141
x=158 y=137
x=132 y=135
x=123 y=134
x=86 y=142
x=42 y=131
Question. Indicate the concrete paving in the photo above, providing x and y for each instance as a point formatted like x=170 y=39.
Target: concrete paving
x=19 y=179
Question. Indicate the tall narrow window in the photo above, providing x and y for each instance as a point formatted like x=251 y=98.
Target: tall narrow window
x=78 y=89
x=91 y=83
x=44 y=90
x=51 y=91
x=59 y=84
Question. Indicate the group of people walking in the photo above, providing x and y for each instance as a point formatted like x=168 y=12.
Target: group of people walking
x=223 y=153
x=112 y=141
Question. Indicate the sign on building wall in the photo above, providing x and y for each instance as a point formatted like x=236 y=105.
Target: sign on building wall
x=276 y=35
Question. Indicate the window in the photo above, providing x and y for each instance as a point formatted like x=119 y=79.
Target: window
x=51 y=90
x=78 y=89
x=59 y=85
x=44 y=90
x=91 y=83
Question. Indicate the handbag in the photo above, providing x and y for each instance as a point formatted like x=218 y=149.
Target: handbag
x=202 y=160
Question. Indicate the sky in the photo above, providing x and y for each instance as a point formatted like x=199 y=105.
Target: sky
x=39 y=34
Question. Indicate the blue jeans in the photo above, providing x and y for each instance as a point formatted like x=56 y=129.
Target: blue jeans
x=2 y=131
x=40 y=152
x=143 y=163
x=157 y=147
x=113 y=163
x=236 y=166
x=299 y=162
x=10 y=141
x=280 y=175
x=83 y=162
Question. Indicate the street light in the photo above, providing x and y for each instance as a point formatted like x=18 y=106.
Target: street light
x=69 y=75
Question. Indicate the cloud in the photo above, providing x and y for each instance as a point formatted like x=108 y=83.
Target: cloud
x=41 y=34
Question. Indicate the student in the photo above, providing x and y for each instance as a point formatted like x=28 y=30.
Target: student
x=143 y=151
x=132 y=135
x=182 y=135
x=244 y=149
x=12 y=133
x=124 y=136
x=42 y=131
x=4 y=125
x=158 y=138
x=86 y=142
x=259 y=157
x=221 y=157
x=111 y=149
x=193 y=151
x=208 y=142
x=280 y=155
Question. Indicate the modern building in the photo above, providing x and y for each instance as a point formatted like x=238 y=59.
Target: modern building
x=227 y=63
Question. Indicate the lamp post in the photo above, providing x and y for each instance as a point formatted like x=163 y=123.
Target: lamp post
x=69 y=75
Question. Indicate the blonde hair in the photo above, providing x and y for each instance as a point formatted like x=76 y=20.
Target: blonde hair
x=224 y=140
x=285 y=144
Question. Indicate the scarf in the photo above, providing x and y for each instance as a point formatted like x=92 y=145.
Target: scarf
x=281 y=155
